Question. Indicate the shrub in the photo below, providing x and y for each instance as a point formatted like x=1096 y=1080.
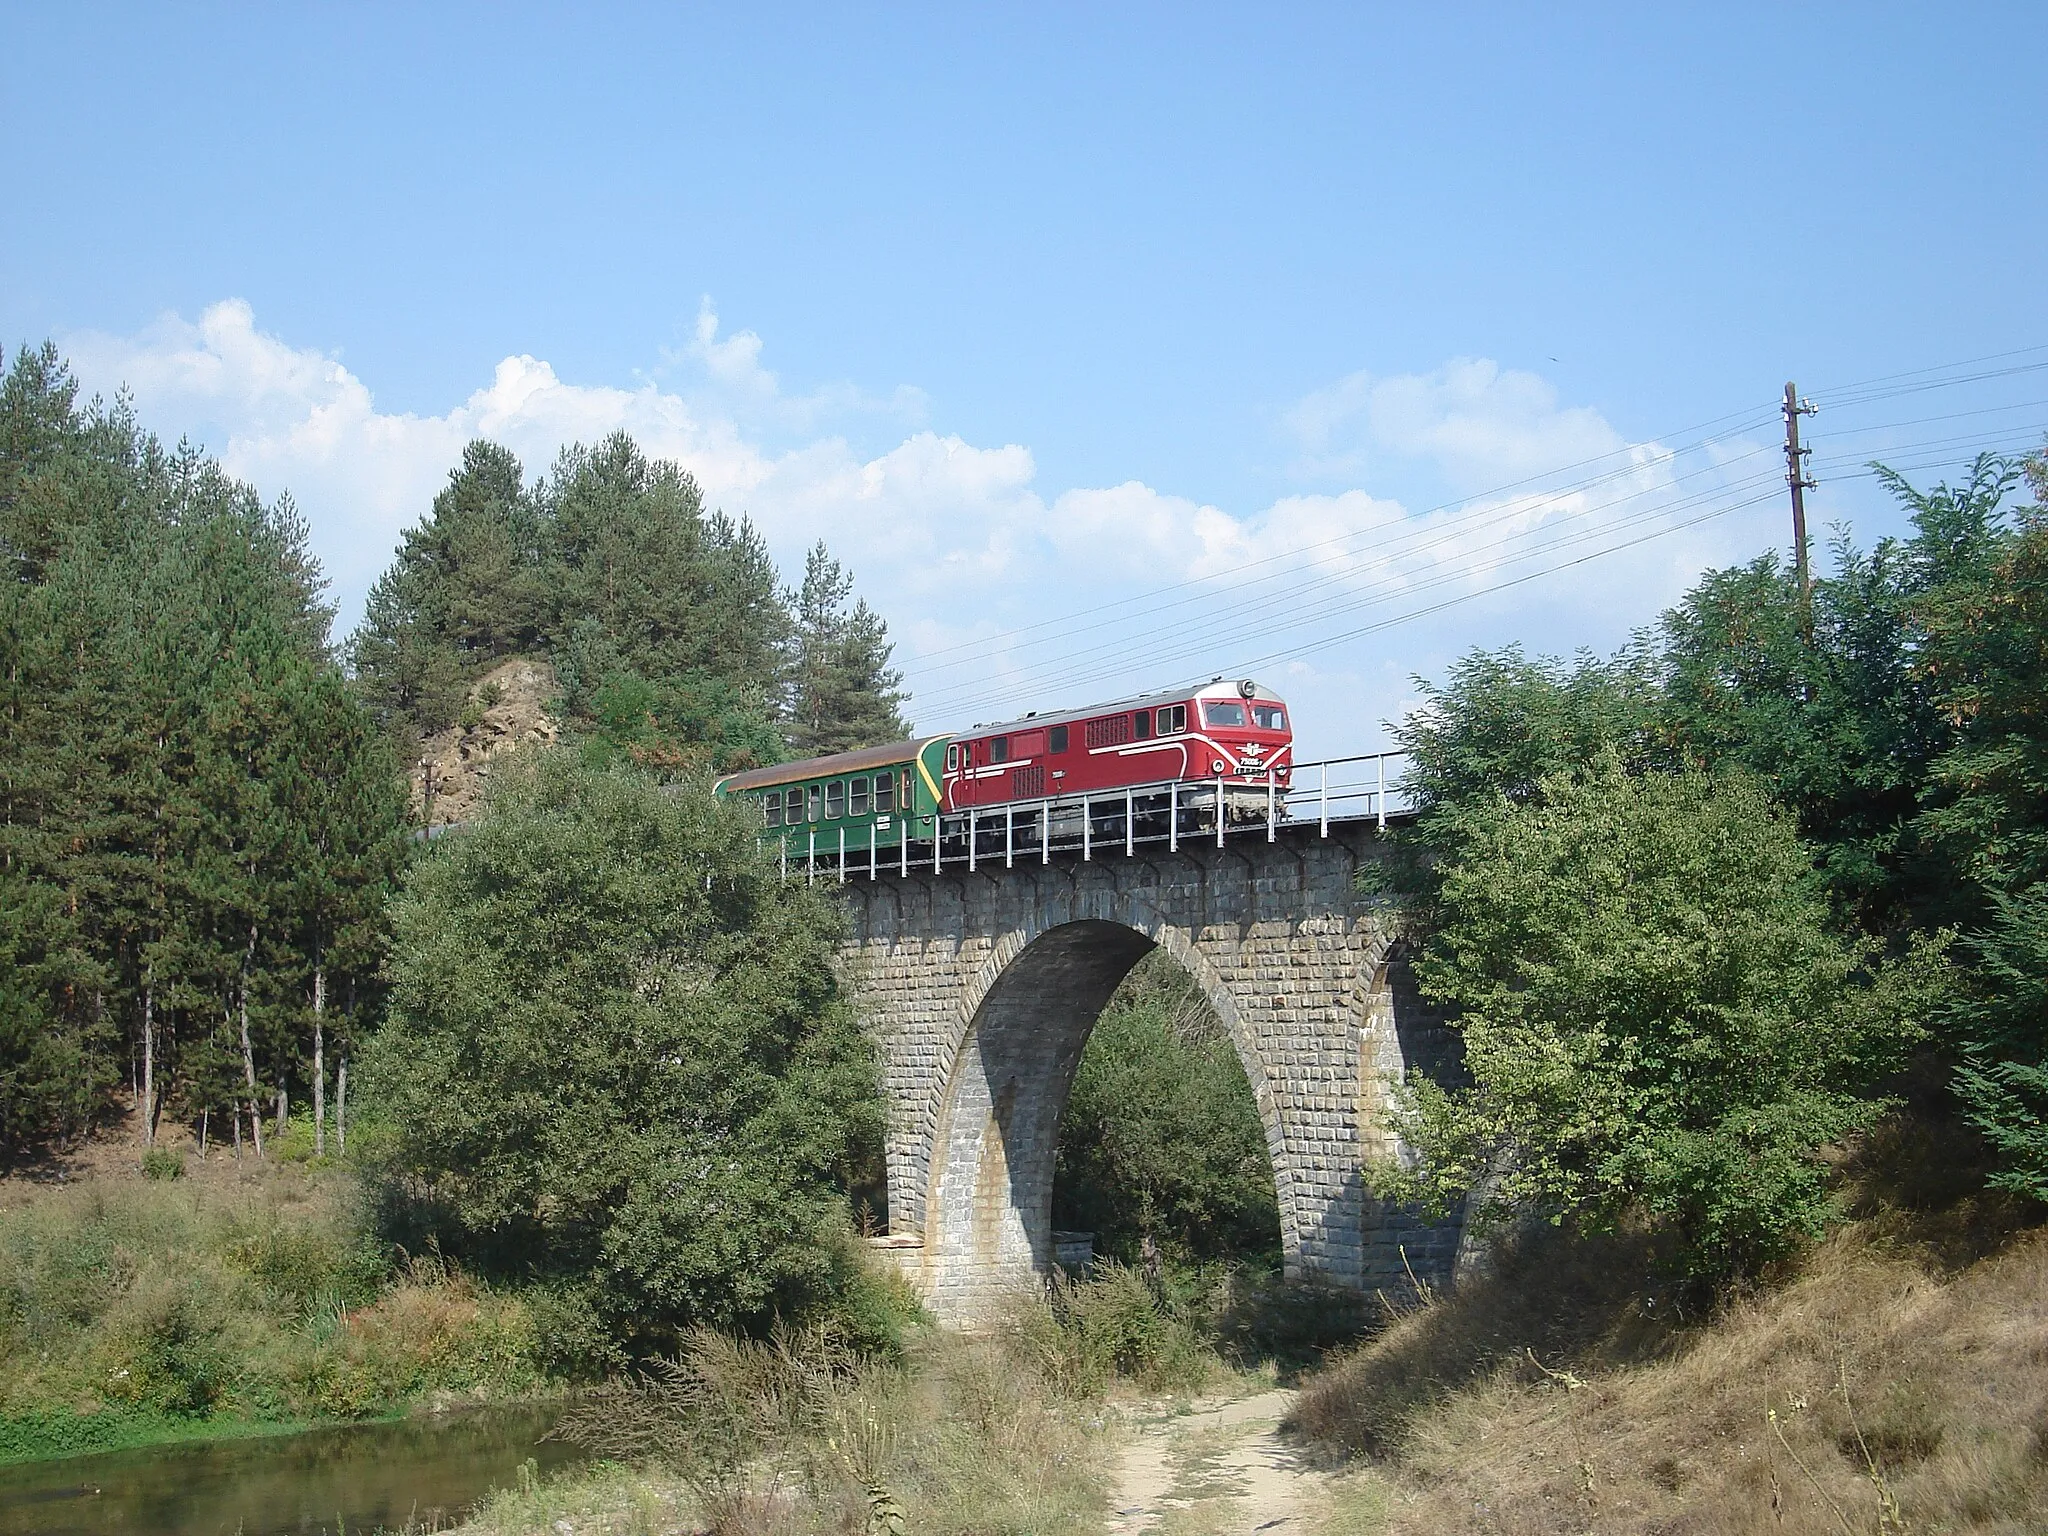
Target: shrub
x=616 y=1057
x=1161 y=1137
x=1111 y=1325
x=162 y=1163
x=1657 y=1016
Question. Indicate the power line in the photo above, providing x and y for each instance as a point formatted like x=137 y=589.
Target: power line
x=1084 y=675
x=1314 y=593
x=1419 y=538
x=1396 y=583
x=1467 y=501
x=1307 y=607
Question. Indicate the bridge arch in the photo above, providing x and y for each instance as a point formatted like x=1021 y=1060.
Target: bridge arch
x=988 y=1212
x=984 y=988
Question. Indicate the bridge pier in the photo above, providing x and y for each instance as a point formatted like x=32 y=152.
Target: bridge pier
x=982 y=988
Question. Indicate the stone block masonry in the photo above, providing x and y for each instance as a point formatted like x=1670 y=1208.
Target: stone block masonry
x=982 y=988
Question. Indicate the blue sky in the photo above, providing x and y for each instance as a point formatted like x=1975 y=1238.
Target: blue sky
x=1035 y=312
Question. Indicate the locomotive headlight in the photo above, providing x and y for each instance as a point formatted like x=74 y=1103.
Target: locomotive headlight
x=1219 y=766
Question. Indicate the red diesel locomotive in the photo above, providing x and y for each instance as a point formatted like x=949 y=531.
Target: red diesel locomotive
x=1236 y=732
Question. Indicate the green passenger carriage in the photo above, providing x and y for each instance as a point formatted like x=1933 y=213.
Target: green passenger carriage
x=872 y=807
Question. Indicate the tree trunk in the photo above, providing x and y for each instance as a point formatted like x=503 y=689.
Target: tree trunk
x=283 y=1104
x=147 y=1101
x=319 y=1062
x=249 y=1055
x=202 y=1132
x=341 y=1106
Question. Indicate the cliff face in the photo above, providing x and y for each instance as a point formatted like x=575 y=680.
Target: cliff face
x=506 y=709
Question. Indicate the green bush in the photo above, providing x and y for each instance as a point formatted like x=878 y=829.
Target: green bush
x=617 y=1059
x=1161 y=1137
x=162 y=1163
x=1112 y=1326
x=2003 y=1023
x=1658 y=1016
x=178 y=1353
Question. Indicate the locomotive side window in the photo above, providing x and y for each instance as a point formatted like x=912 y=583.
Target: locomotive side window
x=999 y=749
x=816 y=795
x=1173 y=719
x=1269 y=717
x=953 y=757
x=771 y=808
x=1059 y=739
x=885 y=793
x=1141 y=725
x=1223 y=712
x=857 y=798
x=835 y=800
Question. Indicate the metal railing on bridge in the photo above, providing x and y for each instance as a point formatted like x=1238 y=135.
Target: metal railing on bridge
x=1118 y=822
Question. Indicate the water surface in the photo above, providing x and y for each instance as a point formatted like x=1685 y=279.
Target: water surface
x=352 y=1479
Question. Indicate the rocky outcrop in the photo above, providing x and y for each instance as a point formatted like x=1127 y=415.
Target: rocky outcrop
x=507 y=708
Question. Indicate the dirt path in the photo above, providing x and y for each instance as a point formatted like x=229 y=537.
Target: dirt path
x=1219 y=1470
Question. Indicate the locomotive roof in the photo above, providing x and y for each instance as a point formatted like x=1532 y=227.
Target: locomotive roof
x=1217 y=688
x=885 y=756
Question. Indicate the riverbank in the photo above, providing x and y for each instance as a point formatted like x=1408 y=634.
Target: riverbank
x=225 y=1297
x=1890 y=1379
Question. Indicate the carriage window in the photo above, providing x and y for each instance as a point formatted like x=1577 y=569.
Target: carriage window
x=1059 y=738
x=1173 y=718
x=793 y=807
x=1223 y=712
x=816 y=795
x=1141 y=725
x=1269 y=717
x=1029 y=743
x=771 y=808
x=999 y=749
x=835 y=800
x=857 y=798
x=885 y=793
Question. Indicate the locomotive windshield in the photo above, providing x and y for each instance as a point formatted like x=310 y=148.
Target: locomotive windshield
x=1223 y=712
x=1269 y=717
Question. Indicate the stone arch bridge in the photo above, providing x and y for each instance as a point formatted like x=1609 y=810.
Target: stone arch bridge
x=982 y=986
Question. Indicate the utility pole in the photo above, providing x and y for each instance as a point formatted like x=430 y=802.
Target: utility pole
x=1801 y=483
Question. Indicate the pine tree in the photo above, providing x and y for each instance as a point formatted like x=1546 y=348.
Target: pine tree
x=171 y=724
x=467 y=588
x=840 y=691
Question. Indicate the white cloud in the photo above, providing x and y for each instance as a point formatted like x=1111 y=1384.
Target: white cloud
x=1480 y=424
x=954 y=542
x=725 y=375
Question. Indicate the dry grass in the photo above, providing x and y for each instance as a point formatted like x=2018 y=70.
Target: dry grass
x=964 y=1437
x=1896 y=1381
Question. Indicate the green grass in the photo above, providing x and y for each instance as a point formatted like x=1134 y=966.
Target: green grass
x=50 y=1436
x=135 y=1310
